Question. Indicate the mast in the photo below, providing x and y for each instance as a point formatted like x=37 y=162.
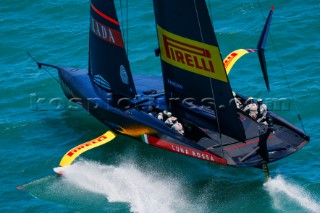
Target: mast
x=191 y=62
x=108 y=62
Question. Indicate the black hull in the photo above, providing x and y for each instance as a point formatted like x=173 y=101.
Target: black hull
x=201 y=140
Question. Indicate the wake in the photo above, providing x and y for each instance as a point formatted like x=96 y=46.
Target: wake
x=144 y=191
x=282 y=191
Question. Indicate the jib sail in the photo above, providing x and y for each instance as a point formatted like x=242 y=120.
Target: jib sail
x=108 y=61
x=191 y=62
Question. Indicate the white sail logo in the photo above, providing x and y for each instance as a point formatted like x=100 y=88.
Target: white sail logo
x=100 y=81
x=106 y=33
x=124 y=75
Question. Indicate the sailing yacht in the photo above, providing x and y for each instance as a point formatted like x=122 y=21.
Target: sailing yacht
x=194 y=87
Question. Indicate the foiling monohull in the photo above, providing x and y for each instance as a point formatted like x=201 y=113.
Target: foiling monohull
x=194 y=87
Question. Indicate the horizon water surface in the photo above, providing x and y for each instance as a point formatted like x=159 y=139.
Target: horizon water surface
x=127 y=175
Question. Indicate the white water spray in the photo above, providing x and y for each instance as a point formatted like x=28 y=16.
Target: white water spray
x=282 y=191
x=145 y=192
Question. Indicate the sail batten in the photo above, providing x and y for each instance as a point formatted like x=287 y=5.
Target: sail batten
x=191 y=62
x=104 y=15
x=108 y=60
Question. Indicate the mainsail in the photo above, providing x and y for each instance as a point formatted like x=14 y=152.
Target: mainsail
x=108 y=61
x=191 y=62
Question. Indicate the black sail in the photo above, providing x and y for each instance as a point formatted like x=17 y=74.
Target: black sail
x=108 y=61
x=191 y=62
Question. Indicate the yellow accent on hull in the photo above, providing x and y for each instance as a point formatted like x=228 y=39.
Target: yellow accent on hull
x=137 y=132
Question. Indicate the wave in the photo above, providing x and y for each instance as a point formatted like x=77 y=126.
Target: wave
x=286 y=195
x=144 y=191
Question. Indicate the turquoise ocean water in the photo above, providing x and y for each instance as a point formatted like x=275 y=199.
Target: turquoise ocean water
x=38 y=125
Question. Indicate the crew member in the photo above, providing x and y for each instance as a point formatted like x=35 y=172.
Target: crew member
x=165 y=116
x=160 y=116
x=151 y=110
x=169 y=121
x=251 y=108
x=177 y=126
x=236 y=100
x=262 y=111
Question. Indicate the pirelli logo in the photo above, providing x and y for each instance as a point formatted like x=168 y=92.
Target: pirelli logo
x=190 y=55
x=228 y=60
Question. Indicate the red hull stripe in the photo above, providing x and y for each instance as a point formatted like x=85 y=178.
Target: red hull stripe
x=203 y=155
x=103 y=15
x=244 y=144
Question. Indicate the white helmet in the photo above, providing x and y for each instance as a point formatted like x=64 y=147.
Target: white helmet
x=259 y=100
x=234 y=94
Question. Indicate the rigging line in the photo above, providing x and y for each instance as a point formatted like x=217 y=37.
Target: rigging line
x=210 y=11
x=43 y=67
x=122 y=26
x=121 y=18
x=288 y=85
x=127 y=28
x=210 y=80
x=284 y=74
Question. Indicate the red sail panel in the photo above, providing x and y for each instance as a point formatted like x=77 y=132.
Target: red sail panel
x=108 y=61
